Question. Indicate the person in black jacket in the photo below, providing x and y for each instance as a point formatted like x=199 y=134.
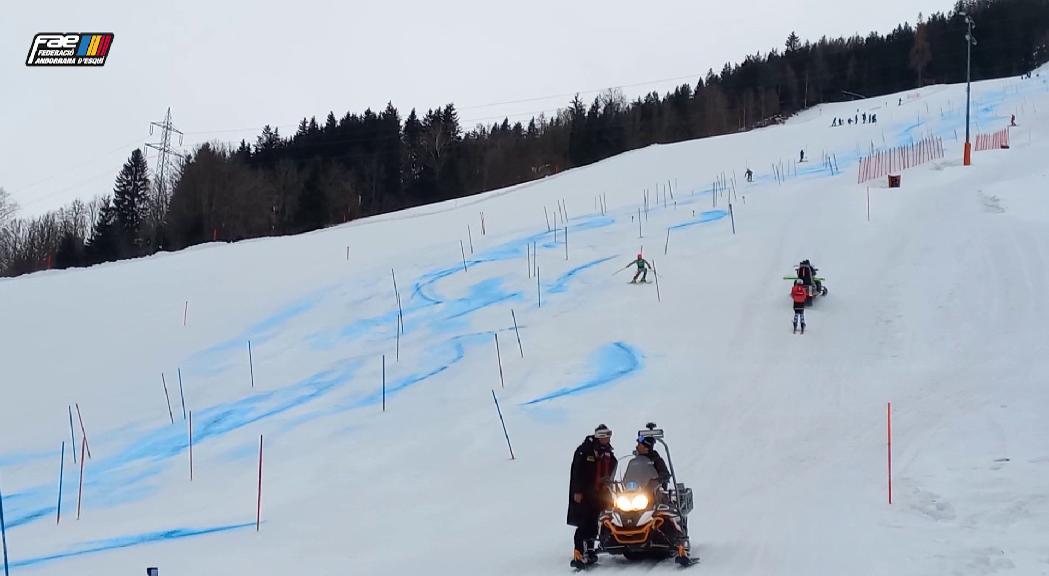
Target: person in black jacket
x=592 y=467
x=647 y=447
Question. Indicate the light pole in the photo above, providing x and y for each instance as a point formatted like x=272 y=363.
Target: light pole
x=970 y=41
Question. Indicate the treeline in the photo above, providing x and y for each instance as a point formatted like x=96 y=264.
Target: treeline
x=358 y=165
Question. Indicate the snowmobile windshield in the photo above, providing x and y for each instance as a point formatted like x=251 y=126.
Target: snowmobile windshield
x=637 y=473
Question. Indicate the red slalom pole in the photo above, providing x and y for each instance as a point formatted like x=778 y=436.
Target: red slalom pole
x=258 y=509
x=83 y=431
x=80 y=490
x=888 y=428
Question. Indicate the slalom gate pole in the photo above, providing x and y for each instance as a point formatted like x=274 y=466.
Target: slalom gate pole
x=61 y=475
x=888 y=428
x=258 y=508
x=83 y=432
x=499 y=357
x=181 y=393
x=167 y=397
x=517 y=332
x=251 y=365
x=72 y=436
x=80 y=489
x=3 y=534
x=503 y=422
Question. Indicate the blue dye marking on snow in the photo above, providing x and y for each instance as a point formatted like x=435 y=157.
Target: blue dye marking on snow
x=218 y=358
x=428 y=280
x=439 y=359
x=703 y=218
x=94 y=547
x=111 y=480
x=561 y=284
x=614 y=361
x=21 y=458
x=486 y=293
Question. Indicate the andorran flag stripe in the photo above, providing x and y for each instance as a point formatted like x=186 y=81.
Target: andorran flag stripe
x=103 y=47
x=94 y=45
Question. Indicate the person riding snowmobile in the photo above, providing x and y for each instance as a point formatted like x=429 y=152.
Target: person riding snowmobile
x=592 y=466
x=642 y=269
x=647 y=447
x=807 y=273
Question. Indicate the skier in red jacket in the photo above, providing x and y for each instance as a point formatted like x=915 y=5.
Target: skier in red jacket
x=799 y=293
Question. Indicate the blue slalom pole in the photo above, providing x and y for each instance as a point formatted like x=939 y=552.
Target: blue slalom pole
x=503 y=422
x=61 y=473
x=3 y=534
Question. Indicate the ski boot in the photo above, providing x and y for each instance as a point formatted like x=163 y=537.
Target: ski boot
x=682 y=558
x=591 y=554
x=578 y=561
x=802 y=327
x=795 y=326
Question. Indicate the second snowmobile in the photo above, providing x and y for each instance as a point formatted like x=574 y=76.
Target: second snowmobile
x=646 y=517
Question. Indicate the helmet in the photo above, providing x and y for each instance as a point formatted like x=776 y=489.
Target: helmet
x=798 y=282
x=602 y=431
x=649 y=442
x=639 y=257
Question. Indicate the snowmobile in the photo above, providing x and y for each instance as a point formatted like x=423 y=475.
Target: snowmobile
x=815 y=288
x=643 y=517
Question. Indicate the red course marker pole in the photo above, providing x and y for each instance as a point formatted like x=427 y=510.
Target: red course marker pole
x=888 y=427
x=80 y=490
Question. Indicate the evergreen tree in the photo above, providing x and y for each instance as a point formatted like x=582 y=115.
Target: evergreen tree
x=130 y=194
x=104 y=244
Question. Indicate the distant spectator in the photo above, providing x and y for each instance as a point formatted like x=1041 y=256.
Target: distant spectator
x=864 y=117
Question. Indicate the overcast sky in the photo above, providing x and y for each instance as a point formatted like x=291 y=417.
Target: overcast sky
x=228 y=68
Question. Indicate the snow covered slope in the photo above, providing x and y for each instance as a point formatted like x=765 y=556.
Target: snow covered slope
x=937 y=304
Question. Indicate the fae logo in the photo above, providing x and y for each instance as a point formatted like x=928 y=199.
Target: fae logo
x=69 y=49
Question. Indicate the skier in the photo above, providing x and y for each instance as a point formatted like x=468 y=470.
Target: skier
x=802 y=159
x=864 y=117
x=592 y=466
x=642 y=269
x=799 y=293
x=749 y=174
x=1012 y=121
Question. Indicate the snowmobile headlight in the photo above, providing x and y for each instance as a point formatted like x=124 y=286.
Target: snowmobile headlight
x=640 y=502
x=632 y=502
